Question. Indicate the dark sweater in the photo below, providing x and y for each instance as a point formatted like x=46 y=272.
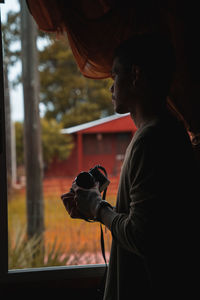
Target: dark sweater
x=154 y=230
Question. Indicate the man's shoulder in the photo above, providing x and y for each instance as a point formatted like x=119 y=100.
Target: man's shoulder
x=149 y=133
x=166 y=129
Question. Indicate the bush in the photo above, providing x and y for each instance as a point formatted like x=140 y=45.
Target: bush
x=31 y=253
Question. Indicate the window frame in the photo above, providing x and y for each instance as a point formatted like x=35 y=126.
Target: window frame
x=72 y=277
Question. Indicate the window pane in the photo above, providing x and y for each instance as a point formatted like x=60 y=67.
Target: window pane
x=41 y=233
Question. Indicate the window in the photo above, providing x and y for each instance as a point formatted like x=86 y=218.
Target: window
x=17 y=251
x=63 y=242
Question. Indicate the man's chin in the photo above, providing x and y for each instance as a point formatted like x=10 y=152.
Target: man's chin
x=120 y=109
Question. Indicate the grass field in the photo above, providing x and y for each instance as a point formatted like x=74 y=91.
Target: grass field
x=79 y=240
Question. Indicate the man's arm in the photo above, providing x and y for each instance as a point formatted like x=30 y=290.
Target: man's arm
x=132 y=229
x=106 y=216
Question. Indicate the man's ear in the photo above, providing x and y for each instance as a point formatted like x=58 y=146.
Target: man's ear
x=136 y=72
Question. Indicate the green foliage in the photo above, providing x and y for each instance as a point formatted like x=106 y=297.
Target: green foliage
x=31 y=253
x=11 y=35
x=67 y=94
x=84 y=112
x=54 y=144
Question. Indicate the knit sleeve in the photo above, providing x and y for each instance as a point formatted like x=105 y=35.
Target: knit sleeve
x=132 y=231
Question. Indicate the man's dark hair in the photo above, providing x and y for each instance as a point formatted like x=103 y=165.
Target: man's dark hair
x=153 y=53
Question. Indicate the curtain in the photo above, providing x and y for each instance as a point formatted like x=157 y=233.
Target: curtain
x=95 y=27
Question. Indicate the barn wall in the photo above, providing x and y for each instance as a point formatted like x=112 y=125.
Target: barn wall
x=99 y=149
x=106 y=149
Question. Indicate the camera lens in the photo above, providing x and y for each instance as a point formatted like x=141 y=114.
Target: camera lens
x=85 y=180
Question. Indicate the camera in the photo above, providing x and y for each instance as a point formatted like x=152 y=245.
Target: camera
x=88 y=179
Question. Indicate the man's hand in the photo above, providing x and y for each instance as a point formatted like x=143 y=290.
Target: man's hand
x=70 y=204
x=84 y=204
x=87 y=200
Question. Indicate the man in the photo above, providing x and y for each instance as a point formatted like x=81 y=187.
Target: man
x=151 y=226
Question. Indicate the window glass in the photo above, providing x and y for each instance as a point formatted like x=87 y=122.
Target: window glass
x=42 y=160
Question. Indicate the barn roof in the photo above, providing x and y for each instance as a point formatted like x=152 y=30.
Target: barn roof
x=113 y=123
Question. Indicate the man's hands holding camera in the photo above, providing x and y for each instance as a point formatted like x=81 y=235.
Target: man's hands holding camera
x=84 y=199
x=82 y=203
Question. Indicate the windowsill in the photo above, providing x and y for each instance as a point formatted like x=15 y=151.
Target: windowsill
x=66 y=273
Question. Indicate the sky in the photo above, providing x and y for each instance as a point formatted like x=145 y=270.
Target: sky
x=16 y=94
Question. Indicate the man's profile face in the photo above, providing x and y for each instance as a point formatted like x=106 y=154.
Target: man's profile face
x=122 y=88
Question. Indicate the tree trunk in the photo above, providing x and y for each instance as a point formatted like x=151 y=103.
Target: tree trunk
x=32 y=130
x=8 y=127
x=10 y=133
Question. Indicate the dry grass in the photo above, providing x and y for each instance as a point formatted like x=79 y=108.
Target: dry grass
x=79 y=239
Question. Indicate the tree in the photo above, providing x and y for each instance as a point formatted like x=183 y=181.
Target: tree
x=32 y=132
x=67 y=94
x=60 y=145
x=19 y=143
x=10 y=34
x=54 y=143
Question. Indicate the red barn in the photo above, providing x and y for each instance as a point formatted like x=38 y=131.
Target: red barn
x=103 y=142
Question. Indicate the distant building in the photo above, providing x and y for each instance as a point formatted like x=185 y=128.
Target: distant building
x=103 y=142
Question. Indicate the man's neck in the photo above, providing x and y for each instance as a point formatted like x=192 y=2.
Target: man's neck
x=140 y=118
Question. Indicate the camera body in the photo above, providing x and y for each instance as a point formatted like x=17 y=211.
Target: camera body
x=88 y=179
